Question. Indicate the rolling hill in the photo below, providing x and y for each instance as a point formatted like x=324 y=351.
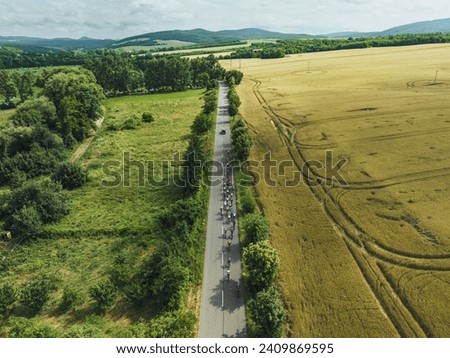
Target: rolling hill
x=202 y=36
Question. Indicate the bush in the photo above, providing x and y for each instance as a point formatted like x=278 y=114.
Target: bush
x=27 y=223
x=71 y=299
x=113 y=126
x=132 y=123
x=147 y=117
x=104 y=294
x=20 y=327
x=255 y=228
x=70 y=175
x=261 y=262
x=36 y=292
x=45 y=196
x=8 y=297
x=267 y=313
x=247 y=202
x=172 y=324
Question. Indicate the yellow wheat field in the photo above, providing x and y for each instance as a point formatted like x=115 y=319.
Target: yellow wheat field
x=369 y=255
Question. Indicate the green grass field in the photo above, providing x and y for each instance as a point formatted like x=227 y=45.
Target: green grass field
x=105 y=222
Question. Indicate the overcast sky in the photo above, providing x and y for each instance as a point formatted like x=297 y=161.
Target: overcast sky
x=121 y=18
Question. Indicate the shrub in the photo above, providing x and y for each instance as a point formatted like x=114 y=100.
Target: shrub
x=255 y=228
x=8 y=297
x=20 y=327
x=104 y=294
x=147 y=117
x=261 y=262
x=70 y=175
x=45 y=196
x=36 y=292
x=267 y=313
x=132 y=123
x=247 y=202
x=71 y=298
x=27 y=223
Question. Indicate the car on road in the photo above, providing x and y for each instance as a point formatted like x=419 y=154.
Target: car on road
x=222 y=131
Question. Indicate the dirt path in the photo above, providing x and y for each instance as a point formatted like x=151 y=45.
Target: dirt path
x=86 y=143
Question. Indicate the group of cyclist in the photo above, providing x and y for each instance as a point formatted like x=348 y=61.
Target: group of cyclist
x=227 y=212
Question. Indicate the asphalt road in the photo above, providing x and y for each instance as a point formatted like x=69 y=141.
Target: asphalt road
x=222 y=312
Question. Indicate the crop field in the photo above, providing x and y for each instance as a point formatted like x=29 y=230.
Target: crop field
x=365 y=251
x=106 y=222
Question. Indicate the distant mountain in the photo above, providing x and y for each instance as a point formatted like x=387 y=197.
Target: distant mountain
x=442 y=25
x=423 y=27
x=54 y=44
x=199 y=36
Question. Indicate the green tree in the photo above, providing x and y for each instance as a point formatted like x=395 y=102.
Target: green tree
x=267 y=313
x=202 y=123
x=77 y=98
x=35 y=111
x=27 y=223
x=193 y=163
x=242 y=143
x=24 y=84
x=255 y=227
x=261 y=262
x=7 y=87
x=70 y=175
x=36 y=292
x=8 y=297
x=104 y=294
x=45 y=196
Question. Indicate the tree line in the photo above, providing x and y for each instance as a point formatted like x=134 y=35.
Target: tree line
x=294 y=46
x=265 y=311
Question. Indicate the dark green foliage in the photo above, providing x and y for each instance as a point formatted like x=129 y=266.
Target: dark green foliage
x=115 y=72
x=132 y=123
x=8 y=296
x=261 y=262
x=255 y=228
x=36 y=292
x=172 y=324
x=45 y=196
x=20 y=327
x=24 y=83
x=71 y=299
x=267 y=313
x=167 y=73
x=233 y=77
x=120 y=272
x=147 y=117
x=8 y=89
x=210 y=104
x=70 y=175
x=104 y=294
x=233 y=101
x=202 y=123
x=193 y=164
x=247 y=202
x=35 y=111
x=27 y=223
x=77 y=98
x=242 y=143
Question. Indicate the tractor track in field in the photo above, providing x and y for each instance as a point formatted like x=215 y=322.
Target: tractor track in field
x=365 y=250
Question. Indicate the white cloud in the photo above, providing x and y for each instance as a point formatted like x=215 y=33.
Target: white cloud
x=118 y=18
